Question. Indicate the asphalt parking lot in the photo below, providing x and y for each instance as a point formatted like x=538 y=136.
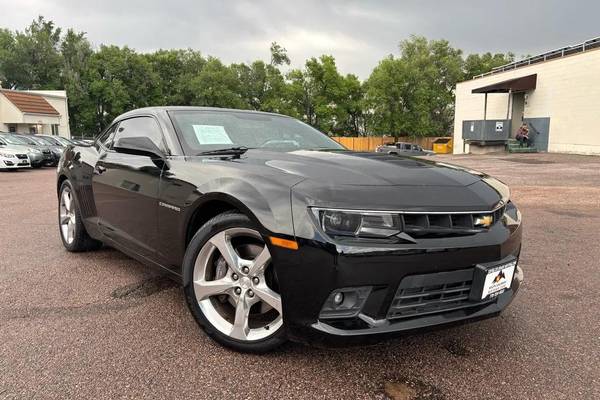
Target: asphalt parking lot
x=100 y=325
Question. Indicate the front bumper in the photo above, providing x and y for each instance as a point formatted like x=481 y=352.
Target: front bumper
x=14 y=163
x=37 y=159
x=308 y=276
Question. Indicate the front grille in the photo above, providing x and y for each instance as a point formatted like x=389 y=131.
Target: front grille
x=46 y=151
x=22 y=156
x=447 y=224
x=419 y=295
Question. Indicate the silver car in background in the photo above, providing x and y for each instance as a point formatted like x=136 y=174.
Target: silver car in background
x=403 y=149
x=36 y=158
x=11 y=158
x=49 y=156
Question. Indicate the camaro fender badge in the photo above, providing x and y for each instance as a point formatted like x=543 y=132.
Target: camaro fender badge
x=169 y=206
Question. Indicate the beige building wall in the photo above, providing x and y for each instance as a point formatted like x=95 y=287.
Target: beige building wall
x=568 y=92
x=8 y=112
x=58 y=100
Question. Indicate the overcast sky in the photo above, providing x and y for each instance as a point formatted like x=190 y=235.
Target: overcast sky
x=357 y=33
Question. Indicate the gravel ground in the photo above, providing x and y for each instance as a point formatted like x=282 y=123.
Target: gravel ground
x=100 y=325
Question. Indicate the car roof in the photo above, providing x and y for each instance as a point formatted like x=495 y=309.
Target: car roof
x=158 y=109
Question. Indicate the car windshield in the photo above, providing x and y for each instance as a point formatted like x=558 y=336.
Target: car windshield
x=43 y=141
x=50 y=140
x=13 y=140
x=27 y=140
x=63 y=141
x=212 y=130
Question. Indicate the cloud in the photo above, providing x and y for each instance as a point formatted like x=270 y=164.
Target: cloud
x=357 y=33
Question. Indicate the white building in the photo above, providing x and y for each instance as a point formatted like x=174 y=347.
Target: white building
x=557 y=94
x=34 y=111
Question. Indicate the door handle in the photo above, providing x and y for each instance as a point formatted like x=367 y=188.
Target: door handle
x=99 y=169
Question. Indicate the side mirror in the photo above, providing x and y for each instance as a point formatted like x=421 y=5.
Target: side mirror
x=139 y=145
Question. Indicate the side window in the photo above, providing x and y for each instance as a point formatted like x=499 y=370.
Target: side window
x=141 y=126
x=106 y=139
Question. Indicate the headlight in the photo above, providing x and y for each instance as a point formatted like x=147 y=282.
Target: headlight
x=35 y=151
x=7 y=155
x=357 y=223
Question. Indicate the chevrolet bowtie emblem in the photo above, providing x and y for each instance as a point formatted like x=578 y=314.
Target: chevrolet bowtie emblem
x=484 y=220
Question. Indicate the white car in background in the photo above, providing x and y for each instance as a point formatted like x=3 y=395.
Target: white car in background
x=13 y=159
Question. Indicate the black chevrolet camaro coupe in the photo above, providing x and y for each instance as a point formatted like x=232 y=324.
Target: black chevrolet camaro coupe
x=277 y=232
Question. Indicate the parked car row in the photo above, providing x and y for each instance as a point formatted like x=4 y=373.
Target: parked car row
x=20 y=150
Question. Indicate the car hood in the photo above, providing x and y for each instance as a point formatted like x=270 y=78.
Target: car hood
x=17 y=148
x=11 y=150
x=364 y=169
x=344 y=179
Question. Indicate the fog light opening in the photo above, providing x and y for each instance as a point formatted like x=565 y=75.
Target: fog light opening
x=345 y=302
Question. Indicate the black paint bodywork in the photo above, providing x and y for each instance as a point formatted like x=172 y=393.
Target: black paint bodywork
x=148 y=209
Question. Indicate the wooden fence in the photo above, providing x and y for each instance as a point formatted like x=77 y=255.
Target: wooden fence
x=369 y=143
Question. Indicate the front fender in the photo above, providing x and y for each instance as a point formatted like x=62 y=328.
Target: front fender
x=263 y=197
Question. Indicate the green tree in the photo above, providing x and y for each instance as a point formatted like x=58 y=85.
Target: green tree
x=352 y=121
x=7 y=44
x=477 y=64
x=317 y=93
x=414 y=93
x=216 y=85
x=119 y=80
x=34 y=60
x=279 y=55
x=261 y=86
x=174 y=69
x=386 y=92
x=76 y=52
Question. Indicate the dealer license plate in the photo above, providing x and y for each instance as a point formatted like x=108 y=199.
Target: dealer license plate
x=498 y=279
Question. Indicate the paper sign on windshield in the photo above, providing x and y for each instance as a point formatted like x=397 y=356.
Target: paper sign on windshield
x=211 y=134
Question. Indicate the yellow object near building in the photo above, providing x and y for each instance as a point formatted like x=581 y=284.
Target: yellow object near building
x=442 y=146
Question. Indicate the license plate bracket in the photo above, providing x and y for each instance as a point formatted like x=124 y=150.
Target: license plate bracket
x=491 y=280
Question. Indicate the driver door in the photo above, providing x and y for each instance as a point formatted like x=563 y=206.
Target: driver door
x=126 y=189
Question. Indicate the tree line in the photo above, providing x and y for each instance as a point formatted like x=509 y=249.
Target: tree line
x=411 y=93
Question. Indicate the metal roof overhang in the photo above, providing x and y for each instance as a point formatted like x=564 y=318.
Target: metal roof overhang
x=512 y=85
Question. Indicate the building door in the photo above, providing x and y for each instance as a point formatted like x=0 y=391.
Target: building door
x=517 y=112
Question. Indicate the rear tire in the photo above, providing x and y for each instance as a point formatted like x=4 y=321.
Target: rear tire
x=232 y=290
x=70 y=224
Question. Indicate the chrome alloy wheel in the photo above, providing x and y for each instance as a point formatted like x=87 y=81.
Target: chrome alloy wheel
x=235 y=285
x=67 y=215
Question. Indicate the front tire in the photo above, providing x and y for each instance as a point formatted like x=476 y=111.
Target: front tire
x=70 y=224
x=232 y=290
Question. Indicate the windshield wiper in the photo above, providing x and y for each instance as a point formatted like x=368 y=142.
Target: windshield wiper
x=228 y=151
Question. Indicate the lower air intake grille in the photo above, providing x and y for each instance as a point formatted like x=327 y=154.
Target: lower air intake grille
x=419 y=295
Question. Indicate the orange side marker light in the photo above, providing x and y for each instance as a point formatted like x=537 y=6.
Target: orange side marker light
x=286 y=244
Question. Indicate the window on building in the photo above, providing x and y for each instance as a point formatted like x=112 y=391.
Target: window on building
x=32 y=130
x=54 y=129
x=12 y=128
